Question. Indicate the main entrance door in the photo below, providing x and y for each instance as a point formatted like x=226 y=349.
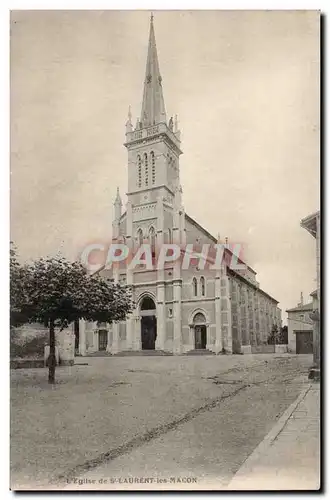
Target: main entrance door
x=200 y=331
x=148 y=324
x=200 y=337
x=148 y=332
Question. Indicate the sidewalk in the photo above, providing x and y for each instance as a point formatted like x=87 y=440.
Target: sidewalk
x=289 y=456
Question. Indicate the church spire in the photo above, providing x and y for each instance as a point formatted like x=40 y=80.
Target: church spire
x=153 y=107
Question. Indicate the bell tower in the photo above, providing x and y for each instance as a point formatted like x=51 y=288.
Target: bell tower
x=153 y=147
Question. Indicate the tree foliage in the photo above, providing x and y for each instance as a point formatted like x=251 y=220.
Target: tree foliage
x=56 y=289
x=19 y=275
x=63 y=291
x=273 y=335
x=56 y=292
x=278 y=335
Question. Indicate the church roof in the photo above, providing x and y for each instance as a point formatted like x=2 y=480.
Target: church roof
x=209 y=235
x=153 y=107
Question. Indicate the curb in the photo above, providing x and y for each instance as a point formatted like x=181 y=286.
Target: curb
x=257 y=453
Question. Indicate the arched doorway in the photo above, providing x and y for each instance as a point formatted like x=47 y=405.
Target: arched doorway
x=199 y=322
x=148 y=323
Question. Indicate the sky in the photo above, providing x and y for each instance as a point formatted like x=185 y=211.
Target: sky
x=245 y=87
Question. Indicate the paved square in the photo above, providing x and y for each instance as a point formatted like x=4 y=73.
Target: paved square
x=111 y=408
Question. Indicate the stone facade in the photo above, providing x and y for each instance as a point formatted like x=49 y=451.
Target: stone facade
x=177 y=310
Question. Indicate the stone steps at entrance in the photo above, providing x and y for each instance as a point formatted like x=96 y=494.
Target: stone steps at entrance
x=144 y=352
x=199 y=352
x=99 y=354
x=150 y=352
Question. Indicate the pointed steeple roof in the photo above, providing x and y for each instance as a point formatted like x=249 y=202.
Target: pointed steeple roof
x=118 y=198
x=153 y=107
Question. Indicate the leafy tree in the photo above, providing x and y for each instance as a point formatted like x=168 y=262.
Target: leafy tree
x=283 y=335
x=58 y=292
x=272 y=339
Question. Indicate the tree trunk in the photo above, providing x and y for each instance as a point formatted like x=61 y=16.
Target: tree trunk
x=52 y=358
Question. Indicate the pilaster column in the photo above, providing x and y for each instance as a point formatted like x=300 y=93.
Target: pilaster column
x=137 y=344
x=130 y=318
x=254 y=335
x=177 y=341
x=229 y=346
x=246 y=344
x=82 y=337
x=161 y=319
x=110 y=336
x=226 y=322
x=115 y=341
x=160 y=224
x=217 y=304
x=238 y=312
x=177 y=304
x=183 y=235
x=258 y=319
x=115 y=325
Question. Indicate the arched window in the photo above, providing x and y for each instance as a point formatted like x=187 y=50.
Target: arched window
x=202 y=286
x=139 y=163
x=153 y=168
x=152 y=240
x=140 y=237
x=194 y=286
x=146 y=170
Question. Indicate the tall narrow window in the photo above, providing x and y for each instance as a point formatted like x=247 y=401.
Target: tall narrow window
x=169 y=236
x=140 y=237
x=146 y=170
x=152 y=240
x=194 y=286
x=139 y=163
x=203 y=286
x=153 y=167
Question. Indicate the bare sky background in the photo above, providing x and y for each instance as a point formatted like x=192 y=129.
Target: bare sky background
x=245 y=86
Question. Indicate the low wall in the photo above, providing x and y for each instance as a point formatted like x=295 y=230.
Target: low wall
x=26 y=363
x=281 y=348
x=269 y=349
x=263 y=349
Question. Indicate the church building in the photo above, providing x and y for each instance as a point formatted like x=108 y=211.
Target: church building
x=177 y=310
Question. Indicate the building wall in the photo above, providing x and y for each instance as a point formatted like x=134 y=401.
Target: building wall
x=297 y=321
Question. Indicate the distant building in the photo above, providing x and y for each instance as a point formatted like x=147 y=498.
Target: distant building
x=300 y=329
x=312 y=224
x=177 y=310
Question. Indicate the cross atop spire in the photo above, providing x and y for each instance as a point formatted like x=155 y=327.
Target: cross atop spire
x=153 y=107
